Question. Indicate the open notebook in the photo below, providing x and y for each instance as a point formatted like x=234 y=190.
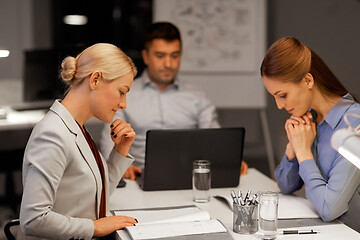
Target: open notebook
x=169 y=222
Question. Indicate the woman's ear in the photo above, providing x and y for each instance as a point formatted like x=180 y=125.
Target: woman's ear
x=309 y=80
x=95 y=77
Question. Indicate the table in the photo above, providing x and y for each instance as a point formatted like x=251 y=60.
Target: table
x=19 y=120
x=133 y=197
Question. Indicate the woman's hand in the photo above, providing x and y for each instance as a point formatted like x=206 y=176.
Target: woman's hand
x=107 y=225
x=122 y=135
x=307 y=118
x=244 y=168
x=290 y=153
x=301 y=132
x=131 y=172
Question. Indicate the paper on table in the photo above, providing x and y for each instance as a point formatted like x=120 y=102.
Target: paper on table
x=170 y=222
x=290 y=206
x=163 y=230
x=150 y=216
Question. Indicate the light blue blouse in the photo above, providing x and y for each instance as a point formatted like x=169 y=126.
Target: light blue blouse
x=331 y=181
x=179 y=106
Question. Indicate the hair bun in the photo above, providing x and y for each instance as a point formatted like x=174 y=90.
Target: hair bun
x=68 y=69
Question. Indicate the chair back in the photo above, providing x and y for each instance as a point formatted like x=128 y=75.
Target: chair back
x=9 y=235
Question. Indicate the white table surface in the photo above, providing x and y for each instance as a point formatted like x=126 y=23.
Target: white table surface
x=19 y=120
x=133 y=197
x=27 y=119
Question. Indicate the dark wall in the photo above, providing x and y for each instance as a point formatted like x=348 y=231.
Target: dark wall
x=122 y=23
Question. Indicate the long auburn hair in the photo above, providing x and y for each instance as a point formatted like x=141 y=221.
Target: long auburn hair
x=290 y=60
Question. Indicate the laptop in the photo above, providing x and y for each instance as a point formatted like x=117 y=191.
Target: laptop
x=170 y=153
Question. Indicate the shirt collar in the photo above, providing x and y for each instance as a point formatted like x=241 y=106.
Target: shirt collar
x=146 y=82
x=338 y=111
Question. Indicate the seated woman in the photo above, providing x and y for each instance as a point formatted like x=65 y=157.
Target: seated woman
x=67 y=183
x=302 y=84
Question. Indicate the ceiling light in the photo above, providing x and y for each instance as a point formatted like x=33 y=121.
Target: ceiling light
x=4 y=53
x=75 y=19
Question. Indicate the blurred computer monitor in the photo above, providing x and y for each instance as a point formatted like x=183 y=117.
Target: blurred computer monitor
x=40 y=78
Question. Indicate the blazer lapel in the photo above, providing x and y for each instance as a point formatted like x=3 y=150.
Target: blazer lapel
x=82 y=145
x=88 y=156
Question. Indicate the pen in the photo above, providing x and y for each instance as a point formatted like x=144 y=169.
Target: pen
x=247 y=195
x=234 y=197
x=299 y=232
x=241 y=201
x=255 y=199
x=239 y=194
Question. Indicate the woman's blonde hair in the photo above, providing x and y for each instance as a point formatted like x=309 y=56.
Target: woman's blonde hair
x=105 y=58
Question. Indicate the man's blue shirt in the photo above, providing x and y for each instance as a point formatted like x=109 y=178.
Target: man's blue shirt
x=179 y=106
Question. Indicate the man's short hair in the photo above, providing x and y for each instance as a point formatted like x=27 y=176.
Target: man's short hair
x=162 y=30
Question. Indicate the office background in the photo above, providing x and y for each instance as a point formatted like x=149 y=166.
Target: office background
x=330 y=27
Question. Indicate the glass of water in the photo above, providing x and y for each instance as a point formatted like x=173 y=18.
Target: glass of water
x=201 y=180
x=268 y=214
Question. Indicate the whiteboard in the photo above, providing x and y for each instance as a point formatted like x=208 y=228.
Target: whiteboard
x=223 y=45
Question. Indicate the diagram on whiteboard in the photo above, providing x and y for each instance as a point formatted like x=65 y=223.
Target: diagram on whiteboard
x=218 y=35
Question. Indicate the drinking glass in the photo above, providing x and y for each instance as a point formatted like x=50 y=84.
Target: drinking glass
x=268 y=214
x=201 y=180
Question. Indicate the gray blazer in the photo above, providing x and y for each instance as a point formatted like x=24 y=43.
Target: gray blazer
x=61 y=179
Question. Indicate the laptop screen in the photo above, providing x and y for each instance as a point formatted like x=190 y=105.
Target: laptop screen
x=170 y=153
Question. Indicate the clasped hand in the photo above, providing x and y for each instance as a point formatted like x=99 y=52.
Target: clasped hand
x=301 y=132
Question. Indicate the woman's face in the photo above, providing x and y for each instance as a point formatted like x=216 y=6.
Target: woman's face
x=109 y=96
x=293 y=97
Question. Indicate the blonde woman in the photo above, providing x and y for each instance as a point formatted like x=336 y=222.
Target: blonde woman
x=67 y=183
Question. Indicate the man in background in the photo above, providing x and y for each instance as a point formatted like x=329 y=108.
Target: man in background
x=158 y=99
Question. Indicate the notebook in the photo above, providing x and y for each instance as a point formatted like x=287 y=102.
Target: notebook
x=169 y=156
x=177 y=223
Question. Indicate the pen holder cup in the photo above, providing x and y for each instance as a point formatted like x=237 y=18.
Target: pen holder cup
x=245 y=218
